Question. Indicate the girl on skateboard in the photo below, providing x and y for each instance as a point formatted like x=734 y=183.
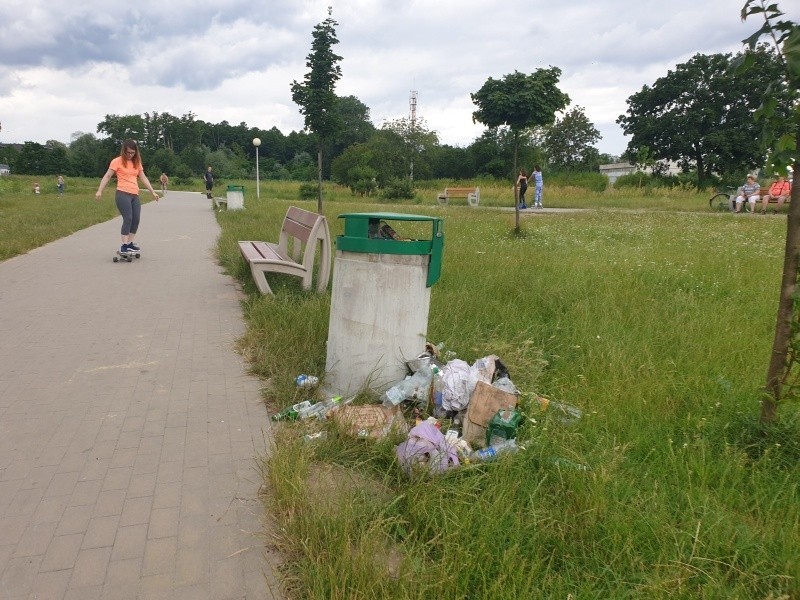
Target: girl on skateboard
x=127 y=167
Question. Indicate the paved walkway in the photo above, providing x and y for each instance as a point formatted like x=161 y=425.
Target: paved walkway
x=128 y=424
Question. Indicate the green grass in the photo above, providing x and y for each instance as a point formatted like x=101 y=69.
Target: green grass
x=656 y=323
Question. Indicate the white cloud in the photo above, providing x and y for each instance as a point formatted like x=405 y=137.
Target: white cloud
x=233 y=60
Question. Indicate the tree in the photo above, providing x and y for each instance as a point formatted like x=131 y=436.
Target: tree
x=781 y=136
x=570 y=142
x=700 y=114
x=520 y=102
x=316 y=96
x=417 y=141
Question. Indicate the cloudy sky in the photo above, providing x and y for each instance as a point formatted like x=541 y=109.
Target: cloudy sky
x=62 y=70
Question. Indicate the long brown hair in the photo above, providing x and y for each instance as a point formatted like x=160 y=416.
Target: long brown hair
x=130 y=145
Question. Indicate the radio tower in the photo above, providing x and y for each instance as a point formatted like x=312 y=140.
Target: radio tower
x=412 y=104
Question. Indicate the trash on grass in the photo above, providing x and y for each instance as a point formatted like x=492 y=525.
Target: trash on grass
x=370 y=420
x=427 y=450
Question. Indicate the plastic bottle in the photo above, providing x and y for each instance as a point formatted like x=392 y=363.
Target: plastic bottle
x=438 y=391
x=320 y=409
x=291 y=413
x=492 y=452
x=306 y=381
x=569 y=413
x=414 y=387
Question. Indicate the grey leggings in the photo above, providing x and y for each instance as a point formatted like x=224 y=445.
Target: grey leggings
x=130 y=208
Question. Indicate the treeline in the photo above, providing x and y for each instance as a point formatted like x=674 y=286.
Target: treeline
x=360 y=155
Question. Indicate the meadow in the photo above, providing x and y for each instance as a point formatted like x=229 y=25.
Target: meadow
x=655 y=322
x=651 y=314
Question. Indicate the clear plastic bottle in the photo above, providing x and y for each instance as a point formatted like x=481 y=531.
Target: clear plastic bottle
x=320 y=409
x=492 y=452
x=438 y=391
x=415 y=387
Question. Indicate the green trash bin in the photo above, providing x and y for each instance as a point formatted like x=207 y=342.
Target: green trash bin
x=235 y=197
x=382 y=278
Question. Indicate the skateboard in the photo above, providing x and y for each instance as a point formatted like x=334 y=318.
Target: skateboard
x=126 y=256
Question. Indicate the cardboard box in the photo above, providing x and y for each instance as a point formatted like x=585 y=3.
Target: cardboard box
x=370 y=420
x=484 y=403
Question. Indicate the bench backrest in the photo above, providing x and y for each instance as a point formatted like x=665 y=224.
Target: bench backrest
x=454 y=191
x=303 y=229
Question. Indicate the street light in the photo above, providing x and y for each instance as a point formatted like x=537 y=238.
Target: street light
x=257 y=143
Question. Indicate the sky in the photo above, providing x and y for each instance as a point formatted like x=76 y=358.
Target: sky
x=62 y=71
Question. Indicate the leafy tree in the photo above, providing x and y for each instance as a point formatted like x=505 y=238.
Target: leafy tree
x=416 y=142
x=520 y=102
x=353 y=169
x=700 y=114
x=570 y=142
x=356 y=128
x=781 y=137
x=120 y=128
x=315 y=95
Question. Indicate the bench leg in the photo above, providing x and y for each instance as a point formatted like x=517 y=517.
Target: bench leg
x=260 y=277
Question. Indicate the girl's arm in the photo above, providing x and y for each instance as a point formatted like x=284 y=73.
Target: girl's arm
x=103 y=182
x=147 y=184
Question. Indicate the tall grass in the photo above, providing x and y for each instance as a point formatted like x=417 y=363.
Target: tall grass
x=657 y=324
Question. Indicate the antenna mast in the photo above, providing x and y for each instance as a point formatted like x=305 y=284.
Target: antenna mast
x=412 y=104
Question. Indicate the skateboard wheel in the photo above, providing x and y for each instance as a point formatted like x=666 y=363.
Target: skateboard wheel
x=116 y=259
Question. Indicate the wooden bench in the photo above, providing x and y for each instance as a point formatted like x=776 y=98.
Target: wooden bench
x=301 y=231
x=727 y=199
x=472 y=194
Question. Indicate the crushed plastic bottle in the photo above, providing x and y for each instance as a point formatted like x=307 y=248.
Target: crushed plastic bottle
x=415 y=387
x=306 y=381
x=492 y=452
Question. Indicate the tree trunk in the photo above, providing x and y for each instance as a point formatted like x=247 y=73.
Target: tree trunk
x=516 y=183
x=778 y=366
x=319 y=178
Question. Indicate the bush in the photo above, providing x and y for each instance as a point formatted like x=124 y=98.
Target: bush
x=308 y=190
x=398 y=189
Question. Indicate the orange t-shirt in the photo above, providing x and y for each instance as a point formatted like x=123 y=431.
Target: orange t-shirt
x=126 y=175
x=780 y=189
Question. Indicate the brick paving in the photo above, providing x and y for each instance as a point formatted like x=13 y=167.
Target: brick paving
x=128 y=423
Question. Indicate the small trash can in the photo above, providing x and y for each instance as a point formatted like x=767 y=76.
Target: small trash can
x=380 y=299
x=235 y=197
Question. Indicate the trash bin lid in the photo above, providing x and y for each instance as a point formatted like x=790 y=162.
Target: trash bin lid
x=236 y=188
x=371 y=233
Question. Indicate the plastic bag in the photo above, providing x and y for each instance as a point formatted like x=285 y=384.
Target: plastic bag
x=426 y=448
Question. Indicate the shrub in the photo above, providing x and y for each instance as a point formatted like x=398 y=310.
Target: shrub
x=398 y=189
x=308 y=190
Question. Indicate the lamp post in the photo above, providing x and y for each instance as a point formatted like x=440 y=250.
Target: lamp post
x=257 y=143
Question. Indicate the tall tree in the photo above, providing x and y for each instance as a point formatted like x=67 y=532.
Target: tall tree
x=570 y=142
x=520 y=102
x=316 y=96
x=700 y=114
x=781 y=137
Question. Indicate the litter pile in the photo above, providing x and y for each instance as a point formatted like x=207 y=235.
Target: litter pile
x=477 y=403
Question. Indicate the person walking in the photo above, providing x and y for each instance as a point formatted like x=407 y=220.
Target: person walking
x=128 y=168
x=522 y=182
x=208 y=176
x=164 y=183
x=538 y=182
x=60 y=185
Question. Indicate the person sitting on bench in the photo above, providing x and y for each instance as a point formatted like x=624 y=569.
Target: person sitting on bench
x=751 y=191
x=780 y=191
